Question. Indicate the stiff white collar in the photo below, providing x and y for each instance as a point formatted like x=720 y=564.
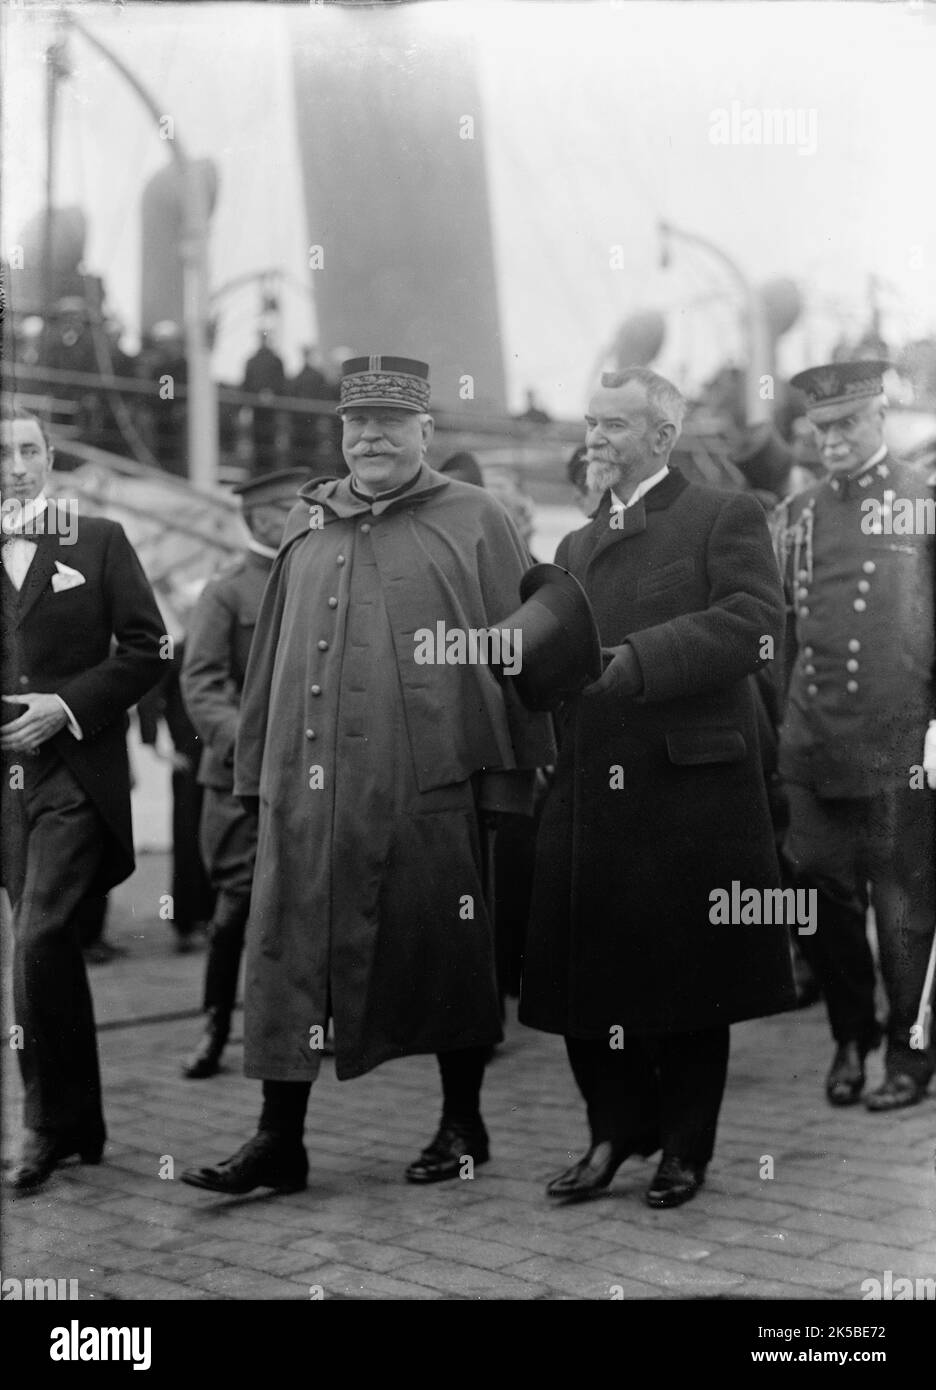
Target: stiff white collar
x=639 y=491
x=259 y=549
x=869 y=463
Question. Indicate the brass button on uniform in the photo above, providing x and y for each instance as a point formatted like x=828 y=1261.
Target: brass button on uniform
x=323 y=645
x=802 y=575
x=310 y=733
x=315 y=689
x=810 y=670
x=851 y=665
x=854 y=645
x=333 y=603
x=859 y=605
x=804 y=612
x=365 y=527
x=802 y=593
x=339 y=560
x=24 y=681
x=812 y=690
x=863 y=586
x=851 y=687
x=869 y=566
x=808 y=651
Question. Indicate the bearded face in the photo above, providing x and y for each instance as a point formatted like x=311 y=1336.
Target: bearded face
x=619 y=438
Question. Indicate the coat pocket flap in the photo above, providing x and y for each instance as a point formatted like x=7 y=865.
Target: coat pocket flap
x=688 y=747
x=667 y=577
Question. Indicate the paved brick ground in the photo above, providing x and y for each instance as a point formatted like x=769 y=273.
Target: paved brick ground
x=853 y=1195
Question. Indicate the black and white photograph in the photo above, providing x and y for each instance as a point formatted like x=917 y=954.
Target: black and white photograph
x=468 y=509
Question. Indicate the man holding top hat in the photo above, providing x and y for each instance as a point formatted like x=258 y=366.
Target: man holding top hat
x=857 y=560
x=216 y=649
x=658 y=806
x=374 y=770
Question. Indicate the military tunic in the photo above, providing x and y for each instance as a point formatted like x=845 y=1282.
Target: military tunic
x=861 y=650
x=216 y=652
x=861 y=686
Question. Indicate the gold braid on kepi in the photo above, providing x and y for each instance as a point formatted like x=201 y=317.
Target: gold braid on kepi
x=396 y=383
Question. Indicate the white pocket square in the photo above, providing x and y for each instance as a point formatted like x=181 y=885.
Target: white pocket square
x=65 y=578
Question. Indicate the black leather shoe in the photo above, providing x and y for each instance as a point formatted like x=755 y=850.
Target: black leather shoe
x=443 y=1157
x=676 y=1181
x=846 y=1078
x=43 y=1152
x=266 y=1160
x=591 y=1174
x=205 y=1060
x=895 y=1092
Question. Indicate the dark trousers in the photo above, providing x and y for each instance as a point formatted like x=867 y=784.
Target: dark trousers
x=59 y=841
x=226 y=945
x=228 y=846
x=192 y=896
x=654 y=1093
x=862 y=850
x=92 y=917
x=461 y=1072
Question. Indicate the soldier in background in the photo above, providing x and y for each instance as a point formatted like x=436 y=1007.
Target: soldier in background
x=163 y=362
x=860 y=651
x=192 y=896
x=265 y=375
x=218 y=643
x=313 y=442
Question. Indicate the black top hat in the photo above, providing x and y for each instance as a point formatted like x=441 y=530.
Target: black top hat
x=281 y=486
x=561 y=650
x=763 y=458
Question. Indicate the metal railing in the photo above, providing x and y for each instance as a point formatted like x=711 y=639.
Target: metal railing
x=260 y=431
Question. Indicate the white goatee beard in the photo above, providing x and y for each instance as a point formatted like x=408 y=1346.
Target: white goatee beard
x=600 y=475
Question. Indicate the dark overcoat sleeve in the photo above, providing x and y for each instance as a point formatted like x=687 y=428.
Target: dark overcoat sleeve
x=208 y=680
x=503 y=560
x=102 y=694
x=702 y=651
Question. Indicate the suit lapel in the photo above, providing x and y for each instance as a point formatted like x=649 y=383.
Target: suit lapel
x=633 y=520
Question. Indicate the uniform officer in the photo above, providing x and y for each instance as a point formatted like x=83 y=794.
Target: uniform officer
x=216 y=652
x=857 y=564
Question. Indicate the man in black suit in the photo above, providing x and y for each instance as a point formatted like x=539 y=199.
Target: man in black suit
x=81 y=643
x=658 y=809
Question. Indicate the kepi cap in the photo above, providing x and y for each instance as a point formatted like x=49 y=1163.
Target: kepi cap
x=398 y=383
x=832 y=390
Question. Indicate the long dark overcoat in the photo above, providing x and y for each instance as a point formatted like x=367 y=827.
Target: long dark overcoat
x=368 y=900
x=659 y=800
